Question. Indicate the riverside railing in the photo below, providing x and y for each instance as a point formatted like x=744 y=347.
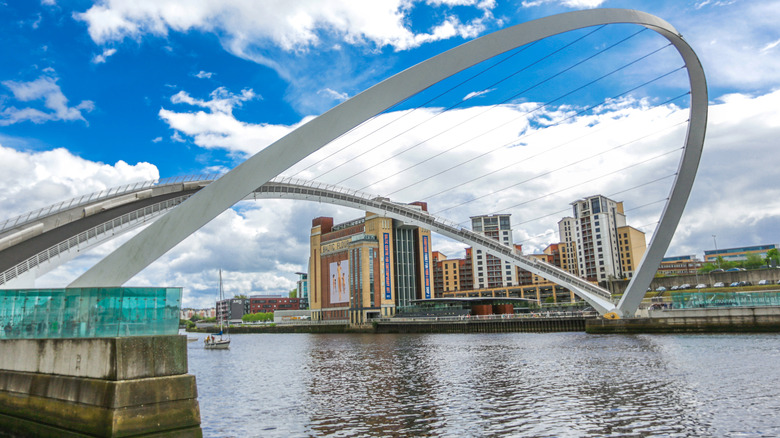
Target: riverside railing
x=97 y=196
x=89 y=312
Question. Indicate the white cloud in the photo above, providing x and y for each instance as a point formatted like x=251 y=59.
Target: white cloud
x=101 y=58
x=44 y=89
x=204 y=75
x=476 y=94
x=729 y=38
x=34 y=180
x=294 y=26
x=770 y=46
x=156 y=139
x=217 y=127
x=335 y=95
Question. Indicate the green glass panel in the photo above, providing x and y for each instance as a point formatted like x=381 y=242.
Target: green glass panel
x=89 y=312
x=696 y=300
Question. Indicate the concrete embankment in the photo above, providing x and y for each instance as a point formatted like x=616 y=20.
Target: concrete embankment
x=707 y=320
x=133 y=386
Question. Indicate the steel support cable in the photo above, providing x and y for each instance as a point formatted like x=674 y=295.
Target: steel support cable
x=592 y=132
x=485 y=110
x=639 y=163
x=555 y=213
x=520 y=117
x=404 y=114
x=453 y=106
x=573 y=163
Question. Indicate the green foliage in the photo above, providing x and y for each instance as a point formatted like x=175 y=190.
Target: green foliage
x=773 y=257
x=753 y=261
x=707 y=267
x=240 y=296
x=195 y=318
x=549 y=300
x=294 y=293
x=258 y=317
x=209 y=320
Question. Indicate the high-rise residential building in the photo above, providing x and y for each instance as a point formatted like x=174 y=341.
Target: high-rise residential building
x=599 y=240
x=367 y=267
x=488 y=270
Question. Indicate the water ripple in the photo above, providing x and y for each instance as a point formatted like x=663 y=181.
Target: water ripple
x=490 y=385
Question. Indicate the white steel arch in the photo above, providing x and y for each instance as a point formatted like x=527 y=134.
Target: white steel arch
x=201 y=208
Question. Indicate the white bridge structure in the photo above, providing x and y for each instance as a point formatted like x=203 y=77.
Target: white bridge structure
x=197 y=202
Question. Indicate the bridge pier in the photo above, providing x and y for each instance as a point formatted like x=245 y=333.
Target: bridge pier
x=122 y=386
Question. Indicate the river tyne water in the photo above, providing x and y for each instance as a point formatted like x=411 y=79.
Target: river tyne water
x=496 y=385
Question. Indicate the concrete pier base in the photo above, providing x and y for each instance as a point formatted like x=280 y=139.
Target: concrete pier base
x=97 y=387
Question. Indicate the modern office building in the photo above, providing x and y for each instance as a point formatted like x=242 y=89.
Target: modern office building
x=598 y=237
x=680 y=265
x=232 y=309
x=737 y=254
x=367 y=267
x=487 y=270
x=271 y=303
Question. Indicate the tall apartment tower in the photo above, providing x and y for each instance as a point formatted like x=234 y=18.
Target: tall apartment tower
x=490 y=271
x=593 y=231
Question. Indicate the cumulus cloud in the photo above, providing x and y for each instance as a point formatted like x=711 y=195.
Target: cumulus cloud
x=203 y=75
x=217 y=127
x=34 y=180
x=54 y=103
x=101 y=58
x=292 y=25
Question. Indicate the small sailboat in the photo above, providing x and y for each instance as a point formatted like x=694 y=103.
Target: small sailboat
x=218 y=341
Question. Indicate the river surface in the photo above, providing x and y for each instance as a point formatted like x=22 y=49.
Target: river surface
x=494 y=385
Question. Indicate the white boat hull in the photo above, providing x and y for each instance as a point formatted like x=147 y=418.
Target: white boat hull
x=217 y=344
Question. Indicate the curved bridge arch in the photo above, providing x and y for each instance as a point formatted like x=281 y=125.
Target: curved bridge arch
x=201 y=208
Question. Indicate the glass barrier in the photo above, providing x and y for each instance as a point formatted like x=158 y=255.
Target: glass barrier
x=89 y=312
x=694 y=300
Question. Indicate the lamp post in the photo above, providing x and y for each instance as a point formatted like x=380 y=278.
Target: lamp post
x=715 y=241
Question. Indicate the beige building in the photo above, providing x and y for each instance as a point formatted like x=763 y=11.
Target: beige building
x=367 y=268
x=632 y=246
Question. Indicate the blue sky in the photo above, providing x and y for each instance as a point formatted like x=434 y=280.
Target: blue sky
x=97 y=94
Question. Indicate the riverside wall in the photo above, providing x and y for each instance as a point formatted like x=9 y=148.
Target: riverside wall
x=130 y=386
x=704 y=320
x=474 y=325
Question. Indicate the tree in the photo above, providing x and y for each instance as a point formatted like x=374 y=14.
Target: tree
x=772 y=257
x=240 y=296
x=294 y=293
x=753 y=261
